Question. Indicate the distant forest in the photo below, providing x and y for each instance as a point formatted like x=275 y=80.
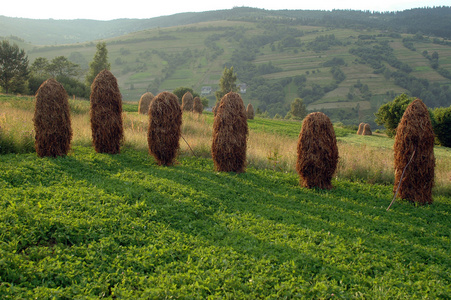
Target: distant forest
x=432 y=21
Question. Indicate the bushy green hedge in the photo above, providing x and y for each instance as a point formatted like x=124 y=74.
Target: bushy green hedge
x=442 y=125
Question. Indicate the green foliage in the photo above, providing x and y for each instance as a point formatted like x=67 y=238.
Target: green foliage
x=298 y=109
x=227 y=83
x=13 y=68
x=99 y=63
x=442 y=125
x=180 y=91
x=391 y=113
x=94 y=225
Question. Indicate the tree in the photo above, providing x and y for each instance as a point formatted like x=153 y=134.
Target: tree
x=226 y=83
x=99 y=63
x=180 y=91
x=13 y=67
x=298 y=109
x=391 y=113
x=61 y=67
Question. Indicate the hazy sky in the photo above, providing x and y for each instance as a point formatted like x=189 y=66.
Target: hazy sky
x=111 y=9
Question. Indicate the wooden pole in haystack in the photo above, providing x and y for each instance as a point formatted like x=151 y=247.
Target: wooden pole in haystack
x=144 y=102
x=165 y=121
x=414 y=134
x=187 y=102
x=197 y=106
x=250 y=112
x=317 y=152
x=52 y=122
x=106 y=114
x=230 y=134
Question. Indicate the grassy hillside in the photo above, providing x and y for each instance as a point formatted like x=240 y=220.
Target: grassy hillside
x=195 y=55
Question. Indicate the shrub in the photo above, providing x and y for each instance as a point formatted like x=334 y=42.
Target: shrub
x=51 y=120
x=106 y=114
x=230 y=134
x=165 y=121
x=317 y=152
x=390 y=113
x=144 y=102
x=414 y=142
x=442 y=125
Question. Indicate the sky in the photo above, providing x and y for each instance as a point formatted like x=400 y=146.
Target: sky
x=110 y=9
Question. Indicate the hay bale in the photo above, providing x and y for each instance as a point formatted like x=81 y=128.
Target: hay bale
x=230 y=134
x=197 y=106
x=187 y=102
x=415 y=133
x=165 y=121
x=317 y=152
x=51 y=119
x=250 y=112
x=144 y=102
x=106 y=114
x=361 y=125
x=366 y=129
x=214 y=110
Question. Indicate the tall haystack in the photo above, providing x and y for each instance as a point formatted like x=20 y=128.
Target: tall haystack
x=230 y=134
x=187 y=102
x=51 y=120
x=317 y=152
x=361 y=125
x=250 y=111
x=367 y=129
x=415 y=134
x=197 y=106
x=214 y=110
x=165 y=121
x=106 y=114
x=144 y=102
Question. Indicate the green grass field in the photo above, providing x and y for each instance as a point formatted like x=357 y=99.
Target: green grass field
x=91 y=225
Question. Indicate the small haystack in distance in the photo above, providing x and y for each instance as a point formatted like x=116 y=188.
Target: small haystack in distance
x=230 y=134
x=51 y=120
x=106 y=114
x=415 y=134
x=317 y=152
x=187 y=102
x=165 y=121
x=361 y=125
x=144 y=102
x=197 y=106
x=250 y=111
x=367 y=129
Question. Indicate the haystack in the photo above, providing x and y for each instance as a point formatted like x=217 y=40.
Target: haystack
x=165 y=121
x=317 y=152
x=197 y=106
x=361 y=125
x=144 y=102
x=214 y=110
x=230 y=134
x=106 y=114
x=415 y=133
x=187 y=102
x=250 y=111
x=51 y=120
x=366 y=129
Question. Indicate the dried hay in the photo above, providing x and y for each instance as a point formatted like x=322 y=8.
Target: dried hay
x=415 y=133
x=230 y=134
x=144 y=102
x=214 y=110
x=52 y=122
x=361 y=125
x=106 y=114
x=367 y=129
x=317 y=152
x=187 y=102
x=165 y=121
x=197 y=106
x=250 y=111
